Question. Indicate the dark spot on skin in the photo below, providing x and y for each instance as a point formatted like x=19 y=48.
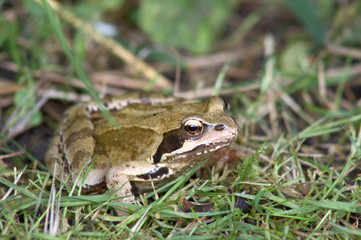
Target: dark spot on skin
x=60 y=149
x=97 y=188
x=113 y=110
x=64 y=166
x=219 y=127
x=105 y=104
x=154 y=174
x=83 y=133
x=79 y=156
x=172 y=140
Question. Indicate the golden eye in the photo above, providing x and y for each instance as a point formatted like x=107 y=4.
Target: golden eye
x=193 y=127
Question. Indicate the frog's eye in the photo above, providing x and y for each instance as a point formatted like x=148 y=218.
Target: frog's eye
x=192 y=127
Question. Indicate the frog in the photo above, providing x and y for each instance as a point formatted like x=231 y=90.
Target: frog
x=152 y=139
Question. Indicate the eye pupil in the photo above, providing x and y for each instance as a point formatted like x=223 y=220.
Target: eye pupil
x=192 y=128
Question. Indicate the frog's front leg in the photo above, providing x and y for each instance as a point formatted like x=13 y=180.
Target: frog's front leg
x=141 y=172
x=120 y=185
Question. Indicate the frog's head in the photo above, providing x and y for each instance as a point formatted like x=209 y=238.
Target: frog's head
x=205 y=128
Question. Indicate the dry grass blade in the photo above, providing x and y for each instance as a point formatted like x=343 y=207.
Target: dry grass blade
x=114 y=47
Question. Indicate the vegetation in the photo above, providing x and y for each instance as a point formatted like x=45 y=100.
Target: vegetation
x=289 y=69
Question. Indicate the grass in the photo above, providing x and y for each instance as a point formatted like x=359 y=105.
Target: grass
x=292 y=174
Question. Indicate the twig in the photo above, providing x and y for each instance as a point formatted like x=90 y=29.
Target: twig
x=118 y=50
x=336 y=72
x=343 y=51
x=10 y=155
x=221 y=58
x=206 y=92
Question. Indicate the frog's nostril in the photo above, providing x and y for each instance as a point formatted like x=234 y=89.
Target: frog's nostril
x=220 y=127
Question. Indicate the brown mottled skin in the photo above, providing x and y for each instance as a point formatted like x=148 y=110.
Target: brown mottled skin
x=151 y=142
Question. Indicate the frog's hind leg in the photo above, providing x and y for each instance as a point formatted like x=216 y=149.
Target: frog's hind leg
x=80 y=147
x=54 y=157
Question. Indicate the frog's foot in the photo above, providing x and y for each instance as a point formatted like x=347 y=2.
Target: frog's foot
x=120 y=185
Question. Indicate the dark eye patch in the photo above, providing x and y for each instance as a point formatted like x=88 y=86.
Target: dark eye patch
x=172 y=140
